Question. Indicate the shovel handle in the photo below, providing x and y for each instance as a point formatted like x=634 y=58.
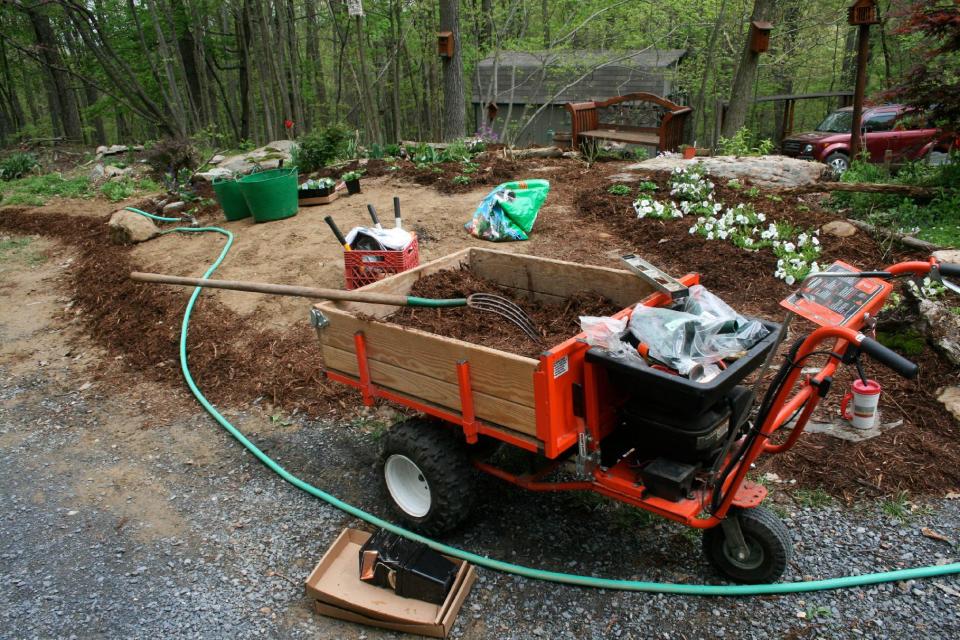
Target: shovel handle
x=275 y=289
x=336 y=231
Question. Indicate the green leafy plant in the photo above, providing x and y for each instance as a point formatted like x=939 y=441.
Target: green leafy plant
x=392 y=150
x=461 y=180
x=753 y=192
x=117 y=190
x=744 y=143
x=647 y=186
x=734 y=184
x=36 y=190
x=813 y=498
x=317 y=149
x=618 y=190
x=17 y=165
x=352 y=175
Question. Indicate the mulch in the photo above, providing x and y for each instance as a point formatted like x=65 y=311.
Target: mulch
x=236 y=363
x=556 y=323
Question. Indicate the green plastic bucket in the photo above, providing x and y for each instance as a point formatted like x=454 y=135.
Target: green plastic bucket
x=270 y=195
x=230 y=199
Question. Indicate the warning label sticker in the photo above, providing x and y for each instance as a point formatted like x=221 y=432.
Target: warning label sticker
x=560 y=367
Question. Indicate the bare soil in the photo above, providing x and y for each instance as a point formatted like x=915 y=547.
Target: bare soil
x=247 y=348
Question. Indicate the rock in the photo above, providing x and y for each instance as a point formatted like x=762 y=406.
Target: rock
x=114 y=149
x=839 y=228
x=213 y=174
x=942 y=327
x=948 y=255
x=267 y=156
x=111 y=171
x=97 y=173
x=127 y=227
x=174 y=207
x=763 y=171
x=102 y=149
x=950 y=397
x=217 y=159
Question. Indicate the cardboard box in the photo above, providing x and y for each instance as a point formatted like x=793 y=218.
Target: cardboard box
x=337 y=590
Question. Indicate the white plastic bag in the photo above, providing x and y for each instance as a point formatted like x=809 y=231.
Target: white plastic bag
x=607 y=333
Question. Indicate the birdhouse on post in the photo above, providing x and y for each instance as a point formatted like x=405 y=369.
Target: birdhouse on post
x=760 y=36
x=863 y=12
x=445 y=44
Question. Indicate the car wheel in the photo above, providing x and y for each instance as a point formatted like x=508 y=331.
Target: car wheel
x=839 y=162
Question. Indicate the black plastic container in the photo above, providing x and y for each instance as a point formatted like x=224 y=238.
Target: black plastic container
x=679 y=395
x=411 y=569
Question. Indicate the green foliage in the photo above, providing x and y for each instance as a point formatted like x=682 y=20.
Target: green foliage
x=352 y=175
x=901 y=508
x=461 y=180
x=647 y=186
x=36 y=190
x=734 y=184
x=936 y=221
x=17 y=165
x=117 y=190
x=391 y=150
x=813 y=498
x=20 y=250
x=317 y=149
x=744 y=143
x=619 y=190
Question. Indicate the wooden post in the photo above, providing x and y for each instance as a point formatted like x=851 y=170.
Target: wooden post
x=863 y=42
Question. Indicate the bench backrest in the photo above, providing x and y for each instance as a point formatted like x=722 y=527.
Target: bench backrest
x=586 y=116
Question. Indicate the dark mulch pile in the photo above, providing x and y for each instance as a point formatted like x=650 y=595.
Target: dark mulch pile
x=555 y=322
x=232 y=363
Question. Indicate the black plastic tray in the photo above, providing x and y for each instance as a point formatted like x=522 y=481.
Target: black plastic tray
x=681 y=396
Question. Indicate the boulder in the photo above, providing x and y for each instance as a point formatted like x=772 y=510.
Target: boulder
x=111 y=171
x=97 y=173
x=114 y=149
x=217 y=159
x=174 y=207
x=839 y=228
x=948 y=255
x=268 y=156
x=942 y=326
x=950 y=397
x=772 y=172
x=127 y=227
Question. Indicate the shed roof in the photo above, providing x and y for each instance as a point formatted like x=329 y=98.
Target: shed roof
x=534 y=77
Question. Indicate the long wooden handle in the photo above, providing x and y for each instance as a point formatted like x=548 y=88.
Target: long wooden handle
x=276 y=289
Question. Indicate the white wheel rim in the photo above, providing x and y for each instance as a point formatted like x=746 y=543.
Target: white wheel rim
x=839 y=165
x=407 y=485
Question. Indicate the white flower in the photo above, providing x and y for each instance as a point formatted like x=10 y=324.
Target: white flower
x=710 y=235
x=789 y=247
x=816 y=243
x=762 y=218
x=791 y=279
x=693 y=229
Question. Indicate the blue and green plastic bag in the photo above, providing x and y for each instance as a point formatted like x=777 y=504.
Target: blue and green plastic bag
x=509 y=212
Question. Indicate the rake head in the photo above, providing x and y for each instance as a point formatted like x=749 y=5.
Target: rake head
x=505 y=309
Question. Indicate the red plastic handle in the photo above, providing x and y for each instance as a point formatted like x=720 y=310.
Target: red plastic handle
x=843 y=406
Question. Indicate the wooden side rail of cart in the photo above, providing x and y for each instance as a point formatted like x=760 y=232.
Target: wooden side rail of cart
x=586 y=124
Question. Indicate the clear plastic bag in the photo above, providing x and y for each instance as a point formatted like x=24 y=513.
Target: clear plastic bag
x=703 y=331
x=607 y=333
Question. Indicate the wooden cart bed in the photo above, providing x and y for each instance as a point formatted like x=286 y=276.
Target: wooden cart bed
x=528 y=402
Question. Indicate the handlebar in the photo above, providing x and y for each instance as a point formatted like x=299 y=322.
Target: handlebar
x=888 y=357
x=951 y=270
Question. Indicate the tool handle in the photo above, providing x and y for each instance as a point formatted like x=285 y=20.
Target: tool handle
x=276 y=289
x=373 y=216
x=336 y=232
x=398 y=222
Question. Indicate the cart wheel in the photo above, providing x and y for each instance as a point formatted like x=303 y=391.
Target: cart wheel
x=768 y=542
x=426 y=472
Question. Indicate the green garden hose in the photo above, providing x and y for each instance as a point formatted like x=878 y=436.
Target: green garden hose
x=507 y=567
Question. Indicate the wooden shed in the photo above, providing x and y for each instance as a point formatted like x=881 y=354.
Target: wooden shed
x=520 y=82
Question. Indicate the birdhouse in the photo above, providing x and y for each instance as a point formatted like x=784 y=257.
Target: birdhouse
x=863 y=12
x=760 y=36
x=445 y=44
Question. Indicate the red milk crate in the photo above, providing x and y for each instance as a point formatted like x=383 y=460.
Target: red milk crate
x=364 y=267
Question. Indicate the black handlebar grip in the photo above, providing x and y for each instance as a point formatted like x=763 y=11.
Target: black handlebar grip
x=336 y=231
x=951 y=270
x=889 y=357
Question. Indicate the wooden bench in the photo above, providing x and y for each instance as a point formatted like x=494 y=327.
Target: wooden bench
x=586 y=124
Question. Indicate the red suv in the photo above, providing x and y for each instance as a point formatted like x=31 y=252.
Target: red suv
x=891 y=127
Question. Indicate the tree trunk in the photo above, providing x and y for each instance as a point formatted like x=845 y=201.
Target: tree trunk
x=366 y=94
x=699 y=104
x=63 y=101
x=741 y=93
x=454 y=101
x=187 y=47
x=243 y=71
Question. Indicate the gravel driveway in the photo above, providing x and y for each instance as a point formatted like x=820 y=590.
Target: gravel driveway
x=130 y=514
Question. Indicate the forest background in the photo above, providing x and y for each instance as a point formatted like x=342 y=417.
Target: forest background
x=233 y=73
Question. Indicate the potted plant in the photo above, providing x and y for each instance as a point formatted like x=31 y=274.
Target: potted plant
x=689 y=152
x=317 y=188
x=352 y=180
